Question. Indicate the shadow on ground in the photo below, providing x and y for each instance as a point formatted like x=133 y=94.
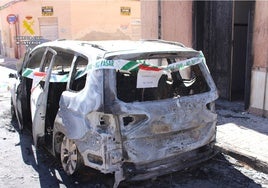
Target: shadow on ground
x=217 y=172
x=233 y=112
x=49 y=169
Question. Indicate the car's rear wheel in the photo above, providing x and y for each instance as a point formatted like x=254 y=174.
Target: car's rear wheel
x=71 y=159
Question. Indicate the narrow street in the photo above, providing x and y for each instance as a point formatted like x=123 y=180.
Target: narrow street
x=24 y=166
x=133 y=88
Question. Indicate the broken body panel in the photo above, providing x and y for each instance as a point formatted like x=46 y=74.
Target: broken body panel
x=142 y=112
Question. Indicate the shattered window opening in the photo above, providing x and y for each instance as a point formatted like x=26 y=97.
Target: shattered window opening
x=78 y=77
x=161 y=84
x=35 y=58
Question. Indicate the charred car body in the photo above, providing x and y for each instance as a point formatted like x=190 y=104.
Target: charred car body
x=138 y=109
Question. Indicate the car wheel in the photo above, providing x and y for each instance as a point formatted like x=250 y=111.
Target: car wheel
x=71 y=159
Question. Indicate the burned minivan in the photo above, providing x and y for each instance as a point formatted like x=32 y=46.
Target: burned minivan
x=136 y=109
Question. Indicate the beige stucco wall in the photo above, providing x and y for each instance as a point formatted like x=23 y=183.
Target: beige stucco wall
x=102 y=20
x=259 y=80
x=149 y=19
x=32 y=8
x=76 y=19
x=260 y=34
x=176 y=20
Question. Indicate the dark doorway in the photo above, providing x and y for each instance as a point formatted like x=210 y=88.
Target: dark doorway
x=222 y=32
x=241 y=42
x=213 y=35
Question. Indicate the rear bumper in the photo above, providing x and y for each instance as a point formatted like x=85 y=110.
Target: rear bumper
x=135 y=172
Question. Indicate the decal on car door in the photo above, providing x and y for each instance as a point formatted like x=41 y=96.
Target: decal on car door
x=38 y=77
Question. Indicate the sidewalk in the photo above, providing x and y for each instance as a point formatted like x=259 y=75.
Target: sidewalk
x=242 y=135
x=7 y=66
x=8 y=62
x=239 y=134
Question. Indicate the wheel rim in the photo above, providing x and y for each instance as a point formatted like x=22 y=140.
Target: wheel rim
x=69 y=156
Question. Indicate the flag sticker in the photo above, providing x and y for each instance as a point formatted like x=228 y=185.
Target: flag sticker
x=37 y=78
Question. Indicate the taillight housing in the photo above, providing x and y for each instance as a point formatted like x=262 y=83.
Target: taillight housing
x=211 y=107
x=133 y=119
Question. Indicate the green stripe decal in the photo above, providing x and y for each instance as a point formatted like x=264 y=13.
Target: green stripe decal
x=132 y=65
x=27 y=72
x=120 y=64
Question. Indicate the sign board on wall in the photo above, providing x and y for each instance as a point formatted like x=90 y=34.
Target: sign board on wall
x=47 y=11
x=28 y=25
x=126 y=11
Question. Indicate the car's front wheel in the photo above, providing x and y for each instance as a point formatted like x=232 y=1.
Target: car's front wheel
x=71 y=159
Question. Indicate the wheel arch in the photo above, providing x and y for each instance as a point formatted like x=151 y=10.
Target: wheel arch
x=58 y=134
x=57 y=140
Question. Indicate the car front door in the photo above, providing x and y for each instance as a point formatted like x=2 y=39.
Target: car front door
x=39 y=94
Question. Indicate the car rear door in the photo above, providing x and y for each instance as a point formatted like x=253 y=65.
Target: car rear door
x=39 y=94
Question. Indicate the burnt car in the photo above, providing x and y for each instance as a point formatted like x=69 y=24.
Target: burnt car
x=136 y=109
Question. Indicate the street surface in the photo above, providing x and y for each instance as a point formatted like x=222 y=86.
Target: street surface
x=22 y=165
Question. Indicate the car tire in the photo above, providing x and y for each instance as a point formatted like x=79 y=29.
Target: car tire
x=12 y=111
x=71 y=159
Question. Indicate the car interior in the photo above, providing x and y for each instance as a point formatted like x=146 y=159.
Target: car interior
x=188 y=81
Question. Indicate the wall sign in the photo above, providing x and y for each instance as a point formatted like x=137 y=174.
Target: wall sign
x=126 y=11
x=47 y=11
x=28 y=25
x=11 y=18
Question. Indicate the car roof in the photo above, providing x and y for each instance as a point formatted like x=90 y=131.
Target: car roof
x=112 y=48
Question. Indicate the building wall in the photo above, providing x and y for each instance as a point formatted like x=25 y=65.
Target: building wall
x=260 y=38
x=71 y=19
x=9 y=30
x=29 y=14
x=175 y=20
x=259 y=81
x=149 y=19
x=103 y=20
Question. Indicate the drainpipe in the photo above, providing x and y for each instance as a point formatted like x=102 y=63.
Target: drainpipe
x=17 y=34
x=265 y=89
x=159 y=19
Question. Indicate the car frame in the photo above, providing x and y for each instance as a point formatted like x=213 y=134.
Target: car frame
x=136 y=109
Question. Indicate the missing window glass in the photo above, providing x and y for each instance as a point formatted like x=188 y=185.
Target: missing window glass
x=187 y=81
